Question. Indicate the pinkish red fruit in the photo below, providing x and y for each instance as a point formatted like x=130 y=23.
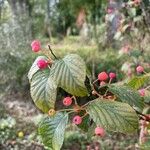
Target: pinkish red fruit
x=110 y=10
x=42 y=64
x=139 y=69
x=67 y=101
x=36 y=46
x=112 y=75
x=142 y=92
x=99 y=131
x=102 y=76
x=77 y=120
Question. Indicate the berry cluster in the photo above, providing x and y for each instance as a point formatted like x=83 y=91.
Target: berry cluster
x=36 y=47
x=103 y=76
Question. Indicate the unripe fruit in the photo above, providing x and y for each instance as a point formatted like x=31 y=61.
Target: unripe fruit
x=102 y=83
x=139 y=69
x=77 y=120
x=36 y=46
x=99 y=131
x=20 y=134
x=67 y=101
x=94 y=93
x=42 y=64
x=102 y=76
x=51 y=112
x=112 y=75
x=142 y=92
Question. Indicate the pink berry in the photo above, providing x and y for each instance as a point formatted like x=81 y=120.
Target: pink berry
x=110 y=10
x=142 y=92
x=112 y=75
x=67 y=101
x=42 y=64
x=99 y=131
x=139 y=69
x=102 y=83
x=77 y=120
x=125 y=49
x=102 y=76
x=36 y=46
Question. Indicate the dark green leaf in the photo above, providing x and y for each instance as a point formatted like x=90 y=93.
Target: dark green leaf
x=52 y=130
x=43 y=90
x=70 y=73
x=113 y=116
x=128 y=95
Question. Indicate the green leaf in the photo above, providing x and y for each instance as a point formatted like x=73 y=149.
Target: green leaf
x=146 y=145
x=138 y=82
x=113 y=116
x=128 y=95
x=43 y=90
x=70 y=74
x=52 y=130
x=85 y=123
x=34 y=68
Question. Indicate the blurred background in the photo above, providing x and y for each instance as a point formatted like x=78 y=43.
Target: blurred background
x=110 y=35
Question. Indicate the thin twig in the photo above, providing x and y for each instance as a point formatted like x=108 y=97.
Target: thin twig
x=52 y=51
x=75 y=100
x=147 y=87
x=143 y=115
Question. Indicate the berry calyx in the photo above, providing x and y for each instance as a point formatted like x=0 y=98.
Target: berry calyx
x=139 y=69
x=77 y=120
x=99 y=131
x=51 y=112
x=102 y=76
x=36 y=46
x=142 y=92
x=42 y=64
x=102 y=83
x=112 y=75
x=67 y=101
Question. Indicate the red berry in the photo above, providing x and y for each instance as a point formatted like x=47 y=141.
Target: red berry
x=67 y=101
x=139 y=69
x=102 y=76
x=99 y=131
x=142 y=92
x=36 y=46
x=102 y=83
x=112 y=75
x=77 y=120
x=110 y=10
x=42 y=64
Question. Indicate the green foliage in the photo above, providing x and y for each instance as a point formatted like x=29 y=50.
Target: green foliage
x=113 y=116
x=7 y=131
x=137 y=82
x=128 y=95
x=52 y=130
x=43 y=90
x=69 y=74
